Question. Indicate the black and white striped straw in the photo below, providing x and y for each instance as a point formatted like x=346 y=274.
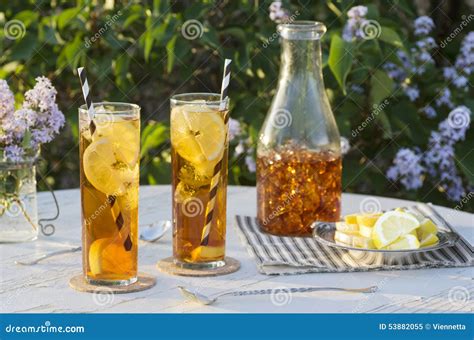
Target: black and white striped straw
x=87 y=97
x=116 y=213
x=218 y=167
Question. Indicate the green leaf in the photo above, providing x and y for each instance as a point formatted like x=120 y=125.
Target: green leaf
x=25 y=48
x=67 y=16
x=381 y=86
x=170 y=54
x=465 y=156
x=27 y=17
x=391 y=37
x=340 y=60
x=154 y=134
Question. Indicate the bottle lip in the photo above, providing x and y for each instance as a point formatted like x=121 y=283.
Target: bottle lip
x=302 y=30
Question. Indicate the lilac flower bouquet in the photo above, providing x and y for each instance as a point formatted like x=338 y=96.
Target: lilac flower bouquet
x=36 y=122
x=22 y=131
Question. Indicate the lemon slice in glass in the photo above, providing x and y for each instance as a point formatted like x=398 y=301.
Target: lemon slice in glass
x=197 y=133
x=122 y=132
x=106 y=167
x=391 y=225
x=108 y=256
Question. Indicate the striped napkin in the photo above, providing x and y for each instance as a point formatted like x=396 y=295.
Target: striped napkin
x=277 y=255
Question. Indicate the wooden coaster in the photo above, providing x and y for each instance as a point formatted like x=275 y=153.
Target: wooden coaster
x=144 y=282
x=167 y=266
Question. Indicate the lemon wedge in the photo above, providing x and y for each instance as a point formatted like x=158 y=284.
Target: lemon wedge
x=427 y=226
x=391 y=225
x=365 y=230
x=407 y=241
x=351 y=219
x=346 y=227
x=206 y=253
x=197 y=133
x=429 y=240
x=109 y=256
x=368 y=220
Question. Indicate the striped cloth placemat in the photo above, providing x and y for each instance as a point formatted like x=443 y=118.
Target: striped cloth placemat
x=276 y=255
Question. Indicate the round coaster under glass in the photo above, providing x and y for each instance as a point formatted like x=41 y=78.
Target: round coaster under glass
x=144 y=282
x=168 y=266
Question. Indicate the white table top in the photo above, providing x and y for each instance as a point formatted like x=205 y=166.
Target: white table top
x=43 y=288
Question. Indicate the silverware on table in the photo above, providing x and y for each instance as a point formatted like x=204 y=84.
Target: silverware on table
x=154 y=231
x=150 y=233
x=206 y=300
x=47 y=256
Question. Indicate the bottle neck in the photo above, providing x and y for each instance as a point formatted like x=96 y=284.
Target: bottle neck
x=301 y=58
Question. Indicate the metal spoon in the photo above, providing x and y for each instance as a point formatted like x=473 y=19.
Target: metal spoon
x=47 y=256
x=206 y=300
x=151 y=233
x=154 y=231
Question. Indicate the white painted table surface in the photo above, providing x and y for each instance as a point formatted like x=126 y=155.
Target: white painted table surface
x=43 y=288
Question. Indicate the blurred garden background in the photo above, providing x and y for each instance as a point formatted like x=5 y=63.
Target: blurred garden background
x=399 y=75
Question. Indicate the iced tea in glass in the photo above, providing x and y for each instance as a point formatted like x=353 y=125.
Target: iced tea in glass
x=109 y=166
x=199 y=145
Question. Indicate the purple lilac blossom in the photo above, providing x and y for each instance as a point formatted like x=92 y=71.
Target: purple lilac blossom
x=407 y=169
x=429 y=112
x=39 y=115
x=412 y=92
x=14 y=153
x=356 y=19
x=277 y=12
x=465 y=60
x=423 y=25
x=234 y=128
x=250 y=162
x=444 y=98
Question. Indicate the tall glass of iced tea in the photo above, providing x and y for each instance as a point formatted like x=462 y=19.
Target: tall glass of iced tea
x=109 y=161
x=199 y=144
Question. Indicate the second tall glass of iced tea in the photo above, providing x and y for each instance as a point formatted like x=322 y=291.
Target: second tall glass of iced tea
x=199 y=144
x=109 y=155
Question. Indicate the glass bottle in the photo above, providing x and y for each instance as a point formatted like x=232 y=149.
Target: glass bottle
x=298 y=155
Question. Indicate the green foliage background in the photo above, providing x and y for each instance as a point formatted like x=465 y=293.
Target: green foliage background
x=141 y=56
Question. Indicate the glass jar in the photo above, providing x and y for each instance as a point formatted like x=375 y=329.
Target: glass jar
x=18 y=204
x=298 y=155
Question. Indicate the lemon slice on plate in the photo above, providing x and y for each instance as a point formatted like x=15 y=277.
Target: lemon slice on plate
x=365 y=230
x=391 y=225
x=407 y=241
x=107 y=169
x=429 y=240
x=197 y=133
x=368 y=220
x=346 y=227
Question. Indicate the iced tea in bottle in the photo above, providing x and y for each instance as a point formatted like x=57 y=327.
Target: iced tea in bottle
x=298 y=154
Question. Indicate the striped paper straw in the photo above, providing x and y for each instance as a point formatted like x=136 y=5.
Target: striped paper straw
x=218 y=167
x=115 y=210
